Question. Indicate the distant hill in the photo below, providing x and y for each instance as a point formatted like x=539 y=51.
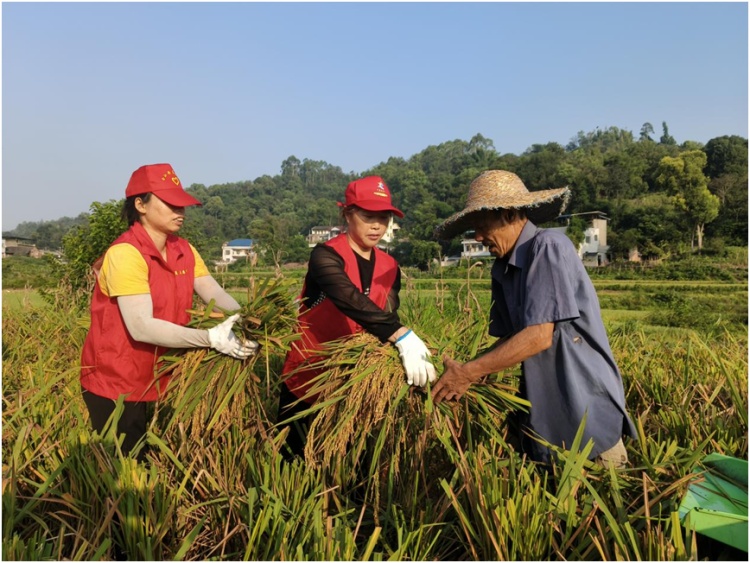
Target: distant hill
x=607 y=169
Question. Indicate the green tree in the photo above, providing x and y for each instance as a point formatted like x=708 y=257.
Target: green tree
x=691 y=146
x=273 y=236
x=298 y=250
x=214 y=206
x=683 y=177
x=624 y=175
x=726 y=155
x=726 y=166
x=649 y=155
x=539 y=166
x=666 y=138
x=654 y=218
x=576 y=230
x=622 y=243
x=85 y=243
x=646 y=131
x=49 y=235
x=194 y=230
x=419 y=253
x=423 y=252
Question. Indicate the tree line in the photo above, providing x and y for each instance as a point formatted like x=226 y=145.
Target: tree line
x=661 y=197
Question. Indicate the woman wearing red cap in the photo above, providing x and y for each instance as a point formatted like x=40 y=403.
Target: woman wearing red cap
x=351 y=286
x=139 y=308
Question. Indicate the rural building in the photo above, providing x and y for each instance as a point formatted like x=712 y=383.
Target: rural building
x=390 y=233
x=326 y=233
x=20 y=246
x=237 y=249
x=322 y=234
x=594 y=250
x=473 y=249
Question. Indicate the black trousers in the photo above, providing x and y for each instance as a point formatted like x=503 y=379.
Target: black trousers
x=297 y=437
x=132 y=423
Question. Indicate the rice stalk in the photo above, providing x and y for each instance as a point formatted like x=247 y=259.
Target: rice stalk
x=501 y=507
x=358 y=390
x=370 y=427
x=64 y=493
x=210 y=391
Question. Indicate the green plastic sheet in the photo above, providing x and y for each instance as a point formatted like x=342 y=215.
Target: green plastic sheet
x=715 y=504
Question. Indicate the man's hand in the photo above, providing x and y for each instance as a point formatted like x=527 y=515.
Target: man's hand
x=454 y=382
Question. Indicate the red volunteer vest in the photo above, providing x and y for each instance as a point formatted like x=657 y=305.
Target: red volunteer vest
x=325 y=322
x=112 y=363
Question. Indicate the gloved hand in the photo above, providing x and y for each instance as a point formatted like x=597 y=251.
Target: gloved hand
x=416 y=359
x=224 y=340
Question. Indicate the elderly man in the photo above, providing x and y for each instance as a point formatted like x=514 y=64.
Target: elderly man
x=546 y=314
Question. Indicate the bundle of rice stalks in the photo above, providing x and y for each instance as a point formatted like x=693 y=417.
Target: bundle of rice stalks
x=210 y=391
x=370 y=426
x=363 y=381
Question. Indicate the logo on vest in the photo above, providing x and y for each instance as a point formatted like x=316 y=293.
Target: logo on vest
x=180 y=272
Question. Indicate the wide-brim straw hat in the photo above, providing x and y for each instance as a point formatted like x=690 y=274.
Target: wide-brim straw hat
x=500 y=189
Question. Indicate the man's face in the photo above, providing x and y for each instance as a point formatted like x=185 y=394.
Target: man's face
x=496 y=233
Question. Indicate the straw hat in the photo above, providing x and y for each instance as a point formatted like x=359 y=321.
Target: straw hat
x=499 y=189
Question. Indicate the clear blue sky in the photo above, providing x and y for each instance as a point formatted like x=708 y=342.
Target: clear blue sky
x=226 y=92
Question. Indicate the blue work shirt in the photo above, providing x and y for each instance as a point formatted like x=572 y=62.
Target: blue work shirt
x=541 y=281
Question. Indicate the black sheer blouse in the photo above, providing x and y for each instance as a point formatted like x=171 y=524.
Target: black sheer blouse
x=326 y=279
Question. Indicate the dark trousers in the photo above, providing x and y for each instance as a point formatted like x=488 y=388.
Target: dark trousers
x=132 y=423
x=297 y=437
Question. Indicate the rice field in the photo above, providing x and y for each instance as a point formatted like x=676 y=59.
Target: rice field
x=387 y=475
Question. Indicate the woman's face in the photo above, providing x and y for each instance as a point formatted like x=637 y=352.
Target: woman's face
x=366 y=228
x=160 y=217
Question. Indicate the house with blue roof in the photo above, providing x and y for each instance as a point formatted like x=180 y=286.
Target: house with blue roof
x=237 y=249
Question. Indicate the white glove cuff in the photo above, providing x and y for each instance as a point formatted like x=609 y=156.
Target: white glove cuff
x=400 y=338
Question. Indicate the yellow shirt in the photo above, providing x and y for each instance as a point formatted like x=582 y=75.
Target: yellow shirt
x=125 y=272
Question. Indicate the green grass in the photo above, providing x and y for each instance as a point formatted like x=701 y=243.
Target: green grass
x=22 y=271
x=15 y=299
x=612 y=316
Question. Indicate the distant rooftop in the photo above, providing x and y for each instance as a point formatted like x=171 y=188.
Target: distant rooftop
x=601 y=214
x=240 y=242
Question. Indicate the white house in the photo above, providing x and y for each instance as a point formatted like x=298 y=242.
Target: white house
x=390 y=232
x=237 y=249
x=594 y=250
x=322 y=234
x=326 y=233
x=473 y=249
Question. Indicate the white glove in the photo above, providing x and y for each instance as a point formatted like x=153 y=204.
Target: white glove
x=224 y=340
x=416 y=359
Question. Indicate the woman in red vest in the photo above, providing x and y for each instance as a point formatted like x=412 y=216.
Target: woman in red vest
x=351 y=286
x=143 y=290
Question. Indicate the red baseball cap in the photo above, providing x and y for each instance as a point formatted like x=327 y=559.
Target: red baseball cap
x=371 y=194
x=160 y=180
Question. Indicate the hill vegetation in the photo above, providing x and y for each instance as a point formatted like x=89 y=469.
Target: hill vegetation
x=661 y=197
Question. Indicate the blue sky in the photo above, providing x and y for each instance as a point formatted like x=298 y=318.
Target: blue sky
x=225 y=92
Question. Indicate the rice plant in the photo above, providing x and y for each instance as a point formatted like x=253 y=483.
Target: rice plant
x=387 y=474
